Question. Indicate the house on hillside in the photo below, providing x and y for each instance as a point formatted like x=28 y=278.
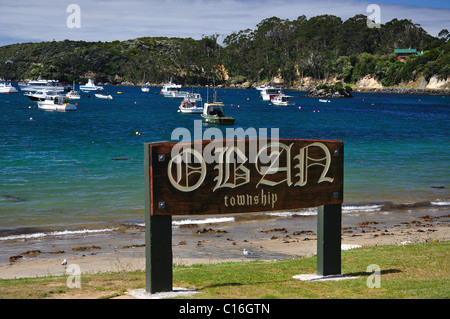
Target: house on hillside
x=403 y=54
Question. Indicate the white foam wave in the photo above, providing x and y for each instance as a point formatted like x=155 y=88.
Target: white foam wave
x=361 y=208
x=440 y=203
x=57 y=233
x=202 y=221
x=306 y=212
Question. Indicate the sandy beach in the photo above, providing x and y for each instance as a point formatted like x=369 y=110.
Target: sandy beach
x=205 y=247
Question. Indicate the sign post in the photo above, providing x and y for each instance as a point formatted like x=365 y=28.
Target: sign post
x=240 y=176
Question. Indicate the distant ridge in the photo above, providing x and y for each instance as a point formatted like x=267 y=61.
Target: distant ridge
x=287 y=52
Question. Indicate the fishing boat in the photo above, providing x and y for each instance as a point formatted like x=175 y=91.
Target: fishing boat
x=6 y=87
x=283 y=100
x=144 y=87
x=173 y=90
x=213 y=113
x=190 y=106
x=58 y=103
x=40 y=84
x=90 y=86
x=41 y=95
x=72 y=94
x=268 y=92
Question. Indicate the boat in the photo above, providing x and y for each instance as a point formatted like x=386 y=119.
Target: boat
x=58 y=103
x=144 y=87
x=6 y=87
x=90 y=86
x=40 y=84
x=324 y=101
x=73 y=95
x=189 y=105
x=173 y=90
x=103 y=96
x=41 y=95
x=283 y=100
x=268 y=92
x=213 y=113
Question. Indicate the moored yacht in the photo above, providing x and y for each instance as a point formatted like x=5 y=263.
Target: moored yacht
x=59 y=103
x=268 y=92
x=6 y=87
x=90 y=86
x=283 y=100
x=41 y=95
x=40 y=84
x=173 y=90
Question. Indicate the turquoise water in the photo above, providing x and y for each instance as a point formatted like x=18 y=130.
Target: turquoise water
x=70 y=169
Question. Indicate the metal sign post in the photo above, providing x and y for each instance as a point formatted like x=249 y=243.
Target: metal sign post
x=240 y=176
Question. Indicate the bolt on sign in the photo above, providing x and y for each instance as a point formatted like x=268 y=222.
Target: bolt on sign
x=243 y=175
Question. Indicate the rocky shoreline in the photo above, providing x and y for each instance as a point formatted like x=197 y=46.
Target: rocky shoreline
x=400 y=90
x=313 y=92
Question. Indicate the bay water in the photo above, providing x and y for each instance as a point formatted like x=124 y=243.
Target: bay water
x=66 y=173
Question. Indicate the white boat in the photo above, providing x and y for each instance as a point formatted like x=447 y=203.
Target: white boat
x=213 y=113
x=190 y=106
x=90 y=86
x=59 y=103
x=41 y=95
x=173 y=90
x=324 y=101
x=283 y=100
x=103 y=96
x=39 y=84
x=144 y=87
x=73 y=95
x=268 y=92
x=194 y=97
x=6 y=87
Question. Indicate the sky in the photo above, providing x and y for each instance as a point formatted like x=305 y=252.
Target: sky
x=109 y=20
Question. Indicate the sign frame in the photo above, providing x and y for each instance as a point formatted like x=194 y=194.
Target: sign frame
x=322 y=188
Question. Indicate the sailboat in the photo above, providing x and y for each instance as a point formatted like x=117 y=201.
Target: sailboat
x=144 y=87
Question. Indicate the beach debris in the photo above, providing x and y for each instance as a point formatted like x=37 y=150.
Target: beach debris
x=209 y=230
x=200 y=243
x=83 y=248
x=273 y=237
x=303 y=232
x=14 y=198
x=57 y=252
x=426 y=218
x=32 y=252
x=246 y=252
x=438 y=187
x=13 y=259
x=364 y=224
x=133 y=246
x=274 y=229
x=64 y=262
x=182 y=243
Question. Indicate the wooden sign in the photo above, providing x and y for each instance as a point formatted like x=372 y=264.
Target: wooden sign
x=236 y=176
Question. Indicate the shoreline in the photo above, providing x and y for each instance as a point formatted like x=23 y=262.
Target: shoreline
x=355 y=89
x=215 y=247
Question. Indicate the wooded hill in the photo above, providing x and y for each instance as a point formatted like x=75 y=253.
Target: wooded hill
x=320 y=47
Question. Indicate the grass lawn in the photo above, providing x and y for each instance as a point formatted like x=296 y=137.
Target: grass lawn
x=407 y=272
